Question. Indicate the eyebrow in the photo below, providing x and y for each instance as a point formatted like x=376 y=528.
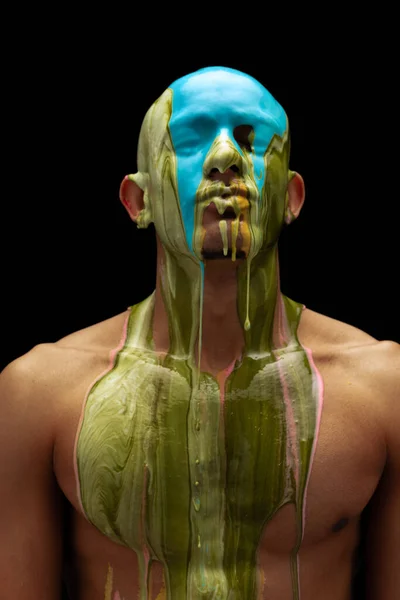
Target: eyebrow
x=189 y=116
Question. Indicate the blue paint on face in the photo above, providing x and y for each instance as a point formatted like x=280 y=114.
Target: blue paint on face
x=207 y=104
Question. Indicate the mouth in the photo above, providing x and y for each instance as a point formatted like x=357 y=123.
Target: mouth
x=229 y=214
x=224 y=231
x=220 y=190
x=221 y=210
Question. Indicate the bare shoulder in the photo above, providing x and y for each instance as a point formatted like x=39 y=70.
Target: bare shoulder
x=353 y=352
x=98 y=337
x=326 y=332
x=46 y=369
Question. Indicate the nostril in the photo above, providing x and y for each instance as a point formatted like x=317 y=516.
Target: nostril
x=226 y=176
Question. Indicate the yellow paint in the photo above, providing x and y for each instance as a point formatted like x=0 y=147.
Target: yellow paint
x=109 y=584
x=261 y=579
x=235 y=231
x=162 y=595
x=254 y=436
x=224 y=235
x=247 y=323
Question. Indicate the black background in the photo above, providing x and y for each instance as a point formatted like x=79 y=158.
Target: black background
x=77 y=88
x=71 y=255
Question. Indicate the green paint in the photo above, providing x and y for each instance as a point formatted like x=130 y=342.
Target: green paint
x=167 y=465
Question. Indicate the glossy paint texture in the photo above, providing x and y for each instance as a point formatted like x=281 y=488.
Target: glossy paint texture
x=202 y=124
x=183 y=467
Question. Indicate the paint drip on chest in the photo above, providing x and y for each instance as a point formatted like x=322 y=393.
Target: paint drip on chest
x=184 y=468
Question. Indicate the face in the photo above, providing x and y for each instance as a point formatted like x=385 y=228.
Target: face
x=213 y=164
x=222 y=124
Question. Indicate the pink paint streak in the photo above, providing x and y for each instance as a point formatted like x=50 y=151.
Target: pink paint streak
x=112 y=355
x=146 y=553
x=221 y=378
x=292 y=437
x=320 y=401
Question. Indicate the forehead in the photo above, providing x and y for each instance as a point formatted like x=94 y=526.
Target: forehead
x=225 y=94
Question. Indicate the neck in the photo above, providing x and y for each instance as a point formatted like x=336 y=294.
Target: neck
x=224 y=308
x=222 y=332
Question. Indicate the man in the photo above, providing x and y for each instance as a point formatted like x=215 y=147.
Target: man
x=217 y=440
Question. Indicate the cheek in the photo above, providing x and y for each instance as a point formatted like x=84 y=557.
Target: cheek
x=189 y=174
x=276 y=219
x=191 y=167
x=259 y=171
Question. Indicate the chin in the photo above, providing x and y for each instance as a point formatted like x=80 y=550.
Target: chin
x=218 y=254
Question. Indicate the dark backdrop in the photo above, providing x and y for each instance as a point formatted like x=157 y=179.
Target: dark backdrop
x=77 y=94
x=72 y=257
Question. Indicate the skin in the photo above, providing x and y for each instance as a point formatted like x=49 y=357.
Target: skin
x=197 y=469
x=224 y=466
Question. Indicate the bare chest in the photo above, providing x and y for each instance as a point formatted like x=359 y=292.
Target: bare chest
x=148 y=442
x=156 y=468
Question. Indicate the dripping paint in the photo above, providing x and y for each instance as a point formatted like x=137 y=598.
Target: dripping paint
x=179 y=465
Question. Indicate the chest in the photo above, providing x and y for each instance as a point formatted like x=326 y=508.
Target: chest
x=151 y=450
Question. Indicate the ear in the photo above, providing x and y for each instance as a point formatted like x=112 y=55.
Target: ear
x=132 y=197
x=295 y=196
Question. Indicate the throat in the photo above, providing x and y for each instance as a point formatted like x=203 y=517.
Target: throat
x=222 y=341
x=221 y=311
x=222 y=335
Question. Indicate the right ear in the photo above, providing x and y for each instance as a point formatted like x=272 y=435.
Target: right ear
x=132 y=197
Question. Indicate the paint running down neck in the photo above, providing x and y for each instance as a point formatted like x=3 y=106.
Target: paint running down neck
x=220 y=316
x=224 y=339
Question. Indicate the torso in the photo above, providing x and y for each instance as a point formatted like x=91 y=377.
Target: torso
x=347 y=465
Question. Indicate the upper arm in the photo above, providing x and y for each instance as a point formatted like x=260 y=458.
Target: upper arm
x=30 y=526
x=383 y=537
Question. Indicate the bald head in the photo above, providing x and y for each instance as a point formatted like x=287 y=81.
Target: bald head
x=210 y=121
x=220 y=89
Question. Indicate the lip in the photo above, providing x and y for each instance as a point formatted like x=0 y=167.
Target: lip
x=225 y=201
x=228 y=214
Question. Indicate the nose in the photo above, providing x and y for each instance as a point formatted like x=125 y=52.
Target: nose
x=226 y=176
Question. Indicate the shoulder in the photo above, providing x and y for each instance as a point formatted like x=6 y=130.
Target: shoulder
x=47 y=368
x=331 y=338
x=96 y=338
x=334 y=340
x=353 y=353
x=326 y=334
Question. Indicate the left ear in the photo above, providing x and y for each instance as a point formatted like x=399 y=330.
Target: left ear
x=295 y=196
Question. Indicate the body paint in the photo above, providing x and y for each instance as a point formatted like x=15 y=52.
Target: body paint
x=224 y=235
x=200 y=120
x=108 y=591
x=173 y=463
x=109 y=584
